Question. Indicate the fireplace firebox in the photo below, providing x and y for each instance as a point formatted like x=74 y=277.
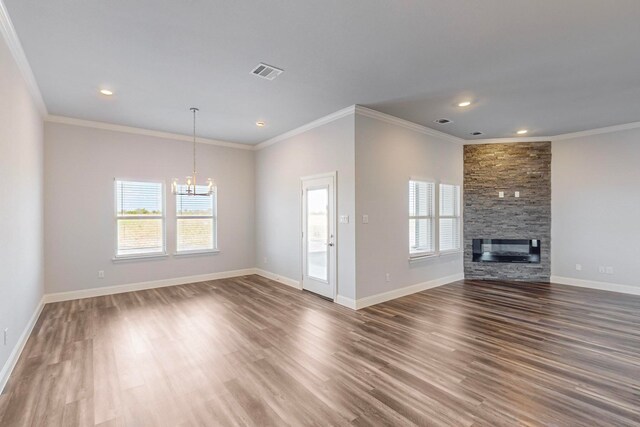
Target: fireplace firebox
x=506 y=250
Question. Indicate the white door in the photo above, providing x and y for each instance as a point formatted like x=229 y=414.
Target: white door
x=318 y=235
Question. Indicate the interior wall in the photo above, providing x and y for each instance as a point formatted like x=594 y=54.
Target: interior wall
x=279 y=167
x=21 y=213
x=596 y=207
x=80 y=167
x=387 y=155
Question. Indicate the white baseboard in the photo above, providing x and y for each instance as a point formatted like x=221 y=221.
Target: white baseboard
x=278 y=278
x=603 y=286
x=347 y=302
x=17 y=350
x=407 y=290
x=118 y=289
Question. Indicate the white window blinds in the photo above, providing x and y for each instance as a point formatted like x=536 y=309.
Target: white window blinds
x=139 y=218
x=449 y=236
x=196 y=222
x=421 y=217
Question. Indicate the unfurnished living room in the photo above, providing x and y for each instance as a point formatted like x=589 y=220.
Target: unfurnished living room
x=336 y=212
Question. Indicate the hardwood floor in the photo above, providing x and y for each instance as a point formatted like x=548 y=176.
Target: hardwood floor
x=249 y=351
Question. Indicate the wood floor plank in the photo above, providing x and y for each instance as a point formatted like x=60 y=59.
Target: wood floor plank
x=248 y=351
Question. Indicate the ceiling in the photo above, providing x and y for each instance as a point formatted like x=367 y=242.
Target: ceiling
x=549 y=66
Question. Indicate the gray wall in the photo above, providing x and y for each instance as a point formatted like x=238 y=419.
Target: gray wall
x=279 y=168
x=490 y=168
x=596 y=207
x=387 y=155
x=80 y=166
x=21 y=228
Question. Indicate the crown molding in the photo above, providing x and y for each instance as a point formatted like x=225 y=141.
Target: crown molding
x=304 y=128
x=140 y=131
x=598 y=131
x=15 y=47
x=367 y=112
x=508 y=140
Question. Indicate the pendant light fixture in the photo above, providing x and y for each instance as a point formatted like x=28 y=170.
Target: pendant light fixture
x=190 y=187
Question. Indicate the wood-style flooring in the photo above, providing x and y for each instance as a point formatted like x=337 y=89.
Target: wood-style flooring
x=249 y=351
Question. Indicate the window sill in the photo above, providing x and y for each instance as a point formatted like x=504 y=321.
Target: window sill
x=195 y=253
x=418 y=257
x=125 y=258
x=452 y=252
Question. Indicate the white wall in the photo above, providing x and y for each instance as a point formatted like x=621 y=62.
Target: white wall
x=80 y=166
x=387 y=155
x=595 y=183
x=279 y=168
x=21 y=229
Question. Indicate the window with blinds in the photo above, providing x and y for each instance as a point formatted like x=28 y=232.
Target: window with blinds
x=196 y=222
x=449 y=221
x=421 y=218
x=139 y=218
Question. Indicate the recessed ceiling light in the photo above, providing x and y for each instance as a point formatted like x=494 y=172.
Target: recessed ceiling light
x=522 y=131
x=475 y=133
x=106 y=92
x=443 y=121
x=260 y=124
x=464 y=104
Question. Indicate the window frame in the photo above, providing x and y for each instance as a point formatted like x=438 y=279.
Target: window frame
x=434 y=224
x=458 y=217
x=214 y=226
x=160 y=254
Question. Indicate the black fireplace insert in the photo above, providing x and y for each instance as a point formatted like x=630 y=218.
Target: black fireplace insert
x=507 y=250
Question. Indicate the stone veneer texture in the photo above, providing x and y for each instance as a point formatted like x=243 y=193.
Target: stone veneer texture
x=489 y=169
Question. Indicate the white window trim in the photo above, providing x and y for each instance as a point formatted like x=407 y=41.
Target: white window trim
x=414 y=255
x=214 y=230
x=143 y=256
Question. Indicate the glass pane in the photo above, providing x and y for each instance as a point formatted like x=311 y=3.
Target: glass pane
x=195 y=205
x=318 y=233
x=420 y=198
x=449 y=234
x=138 y=198
x=139 y=236
x=449 y=200
x=420 y=235
x=195 y=234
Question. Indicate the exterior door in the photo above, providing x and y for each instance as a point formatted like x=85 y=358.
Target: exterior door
x=318 y=235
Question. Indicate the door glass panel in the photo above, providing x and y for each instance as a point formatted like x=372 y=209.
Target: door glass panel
x=318 y=233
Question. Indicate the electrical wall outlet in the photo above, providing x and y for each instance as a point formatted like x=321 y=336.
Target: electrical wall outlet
x=517 y=194
x=344 y=219
x=579 y=267
x=388 y=277
x=100 y=274
x=501 y=194
x=609 y=270
x=365 y=219
x=601 y=269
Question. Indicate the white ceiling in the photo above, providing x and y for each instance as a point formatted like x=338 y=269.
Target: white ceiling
x=551 y=66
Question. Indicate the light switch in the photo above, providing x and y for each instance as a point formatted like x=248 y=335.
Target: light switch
x=501 y=194
x=344 y=219
x=517 y=194
x=365 y=219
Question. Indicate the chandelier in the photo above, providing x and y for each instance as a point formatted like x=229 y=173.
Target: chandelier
x=190 y=188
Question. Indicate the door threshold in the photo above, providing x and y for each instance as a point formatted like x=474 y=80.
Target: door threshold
x=318 y=295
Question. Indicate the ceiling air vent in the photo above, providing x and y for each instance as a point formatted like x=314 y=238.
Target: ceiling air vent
x=476 y=133
x=443 y=121
x=266 y=71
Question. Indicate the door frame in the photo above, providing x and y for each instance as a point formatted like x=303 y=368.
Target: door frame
x=333 y=255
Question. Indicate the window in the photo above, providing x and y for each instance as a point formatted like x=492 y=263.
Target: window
x=196 y=226
x=449 y=220
x=139 y=218
x=421 y=218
